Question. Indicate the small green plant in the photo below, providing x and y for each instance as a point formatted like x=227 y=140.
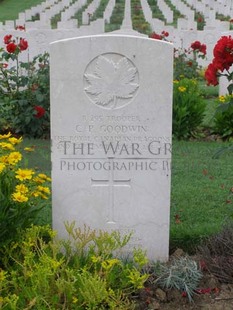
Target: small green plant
x=223 y=117
x=42 y=272
x=22 y=191
x=188 y=108
x=182 y=273
x=199 y=18
x=24 y=90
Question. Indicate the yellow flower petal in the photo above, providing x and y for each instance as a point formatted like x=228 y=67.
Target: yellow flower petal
x=24 y=174
x=19 y=197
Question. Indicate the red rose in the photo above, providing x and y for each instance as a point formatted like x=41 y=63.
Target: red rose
x=21 y=28
x=156 y=36
x=202 y=49
x=23 y=44
x=40 y=111
x=165 y=33
x=211 y=75
x=196 y=45
x=7 y=39
x=223 y=53
x=11 y=47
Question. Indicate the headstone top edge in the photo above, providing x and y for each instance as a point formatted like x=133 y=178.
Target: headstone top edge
x=111 y=35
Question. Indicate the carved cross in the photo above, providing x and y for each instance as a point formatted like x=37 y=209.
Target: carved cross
x=111 y=183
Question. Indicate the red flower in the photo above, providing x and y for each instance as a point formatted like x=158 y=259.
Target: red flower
x=7 y=39
x=165 y=33
x=223 y=53
x=211 y=74
x=21 y=28
x=200 y=20
x=40 y=111
x=23 y=44
x=11 y=47
x=3 y=65
x=202 y=49
x=196 y=45
x=156 y=36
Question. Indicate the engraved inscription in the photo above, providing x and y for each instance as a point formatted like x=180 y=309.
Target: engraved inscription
x=111 y=81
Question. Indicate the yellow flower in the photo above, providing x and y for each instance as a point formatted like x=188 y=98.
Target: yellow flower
x=14 y=140
x=222 y=98
x=2 y=167
x=74 y=300
x=44 y=176
x=182 y=89
x=109 y=263
x=19 y=197
x=95 y=259
x=21 y=188
x=24 y=174
x=175 y=82
x=6 y=136
x=14 y=157
x=7 y=146
x=38 y=180
x=29 y=149
x=37 y=194
x=43 y=189
x=4 y=159
x=41 y=178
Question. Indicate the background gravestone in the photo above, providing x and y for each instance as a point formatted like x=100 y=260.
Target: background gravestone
x=111 y=116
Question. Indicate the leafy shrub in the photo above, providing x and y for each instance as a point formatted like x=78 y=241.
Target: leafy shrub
x=200 y=19
x=22 y=191
x=186 y=61
x=24 y=90
x=223 y=118
x=188 y=108
x=80 y=273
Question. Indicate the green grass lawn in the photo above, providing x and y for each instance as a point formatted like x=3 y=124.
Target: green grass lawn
x=9 y=9
x=201 y=197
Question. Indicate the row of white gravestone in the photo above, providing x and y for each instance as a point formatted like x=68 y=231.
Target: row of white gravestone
x=157 y=25
x=68 y=9
x=39 y=40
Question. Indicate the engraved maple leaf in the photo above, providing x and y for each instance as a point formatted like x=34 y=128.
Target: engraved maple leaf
x=111 y=80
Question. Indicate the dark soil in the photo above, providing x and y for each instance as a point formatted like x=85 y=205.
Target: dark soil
x=210 y=295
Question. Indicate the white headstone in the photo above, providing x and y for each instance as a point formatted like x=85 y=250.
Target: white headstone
x=111 y=103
